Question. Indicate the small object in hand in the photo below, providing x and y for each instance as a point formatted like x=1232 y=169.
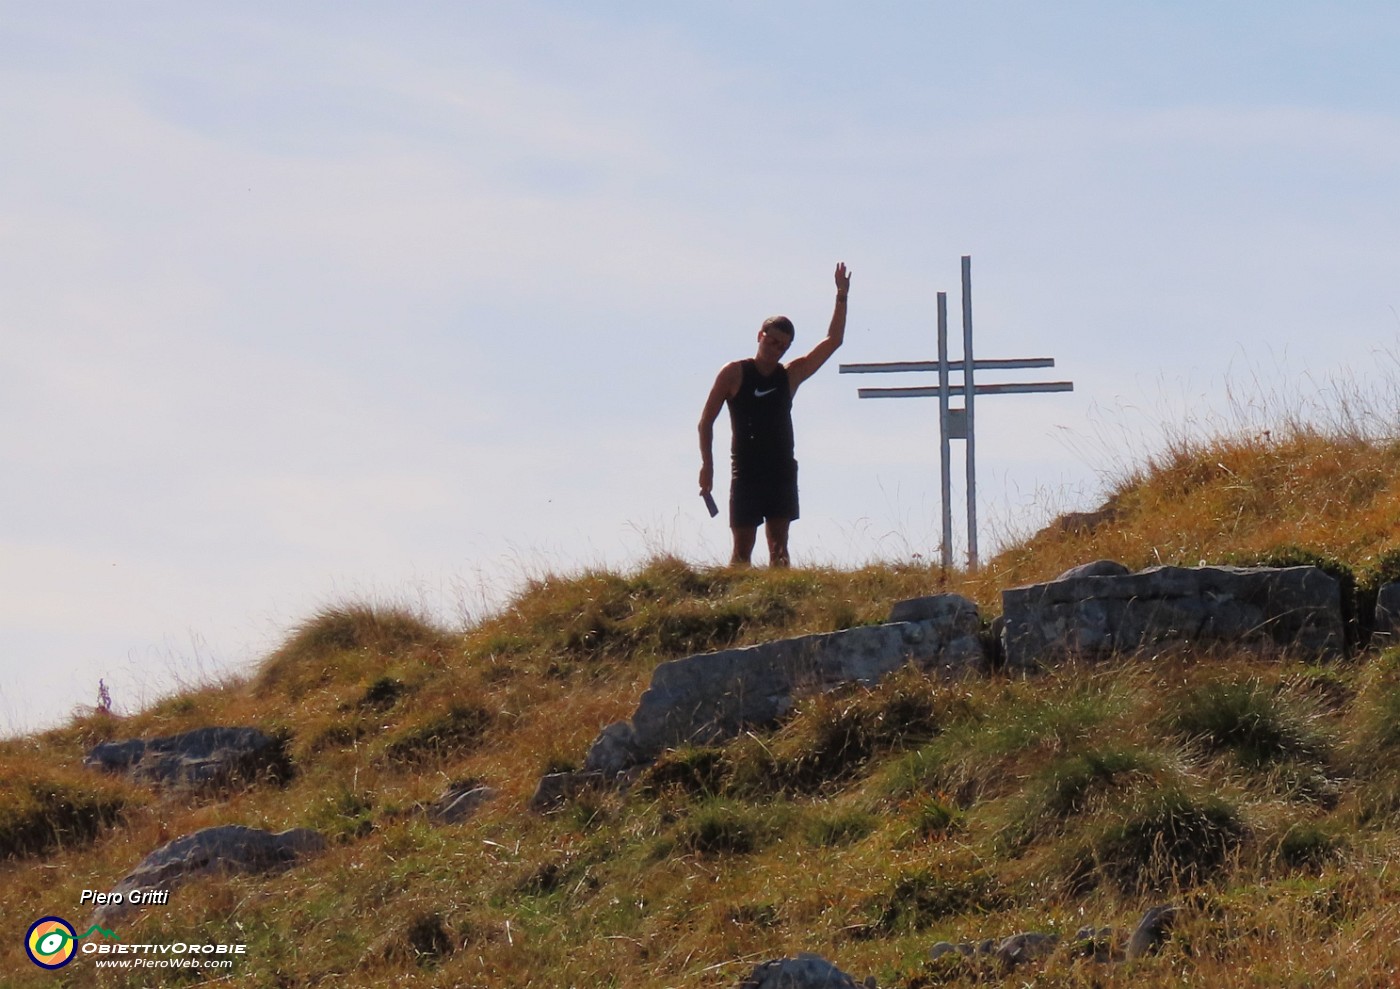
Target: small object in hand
x=710 y=503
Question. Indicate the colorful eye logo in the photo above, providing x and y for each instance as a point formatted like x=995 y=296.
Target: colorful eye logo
x=51 y=942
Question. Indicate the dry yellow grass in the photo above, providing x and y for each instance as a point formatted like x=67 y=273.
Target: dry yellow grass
x=1242 y=496
x=1019 y=805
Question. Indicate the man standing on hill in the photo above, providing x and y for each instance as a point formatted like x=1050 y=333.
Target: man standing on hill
x=763 y=482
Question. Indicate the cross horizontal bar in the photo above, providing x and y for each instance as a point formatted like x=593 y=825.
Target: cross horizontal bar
x=991 y=364
x=1019 y=388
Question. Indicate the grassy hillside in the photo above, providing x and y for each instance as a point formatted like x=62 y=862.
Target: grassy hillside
x=1264 y=798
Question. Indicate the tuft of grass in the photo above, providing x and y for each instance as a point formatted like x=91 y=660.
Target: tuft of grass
x=920 y=897
x=1077 y=784
x=1159 y=840
x=989 y=736
x=690 y=626
x=382 y=694
x=833 y=737
x=725 y=827
x=42 y=813
x=1309 y=845
x=323 y=650
x=1070 y=783
x=841 y=827
x=1259 y=725
x=1376 y=721
x=827 y=745
x=421 y=942
x=457 y=731
x=760 y=915
x=936 y=817
x=693 y=771
x=594 y=620
x=344 y=815
x=666 y=609
x=428 y=938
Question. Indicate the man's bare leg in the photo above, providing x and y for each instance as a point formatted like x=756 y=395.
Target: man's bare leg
x=744 y=538
x=777 y=532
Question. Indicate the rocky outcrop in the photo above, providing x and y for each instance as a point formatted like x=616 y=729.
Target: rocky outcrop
x=806 y=971
x=227 y=848
x=714 y=696
x=1097 y=943
x=206 y=758
x=1098 y=611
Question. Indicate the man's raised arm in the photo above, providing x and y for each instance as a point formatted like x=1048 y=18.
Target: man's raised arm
x=802 y=368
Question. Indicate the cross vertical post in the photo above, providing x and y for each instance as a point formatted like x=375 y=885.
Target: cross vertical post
x=944 y=448
x=969 y=390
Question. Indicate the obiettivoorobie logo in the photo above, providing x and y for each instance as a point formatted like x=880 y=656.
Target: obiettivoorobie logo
x=52 y=943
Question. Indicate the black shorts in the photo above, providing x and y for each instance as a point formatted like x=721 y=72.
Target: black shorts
x=759 y=494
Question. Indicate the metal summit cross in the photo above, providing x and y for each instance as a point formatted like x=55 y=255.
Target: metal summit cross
x=957 y=424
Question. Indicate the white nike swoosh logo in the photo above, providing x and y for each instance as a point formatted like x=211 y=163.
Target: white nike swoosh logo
x=760 y=394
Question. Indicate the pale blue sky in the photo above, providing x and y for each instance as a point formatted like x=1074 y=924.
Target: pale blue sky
x=307 y=302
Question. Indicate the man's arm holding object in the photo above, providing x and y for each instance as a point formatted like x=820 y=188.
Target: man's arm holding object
x=726 y=386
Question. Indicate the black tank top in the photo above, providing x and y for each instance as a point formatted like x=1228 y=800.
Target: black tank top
x=760 y=418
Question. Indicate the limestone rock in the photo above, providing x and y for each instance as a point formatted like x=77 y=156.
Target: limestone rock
x=1152 y=931
x=1387 y=625
x=1092 y=933
x=806 y=971
x=1094 y=942
x=200 y=759
x=115 y=757
x=944 y=608
x=459 y=803
x=712 y=697
x=1021 y=948
x=1099 y=568
x=615 y=750
x=1095 y=616
x=226 y=848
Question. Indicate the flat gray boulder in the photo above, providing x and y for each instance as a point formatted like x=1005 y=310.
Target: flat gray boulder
x=943 y=608
x=1292 y=608
x=715 y=696
x=199 y=759
x=806 y=971
x=226 y=848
